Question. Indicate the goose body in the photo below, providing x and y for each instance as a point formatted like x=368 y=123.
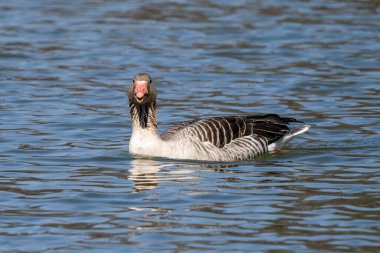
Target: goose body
x=229 y=138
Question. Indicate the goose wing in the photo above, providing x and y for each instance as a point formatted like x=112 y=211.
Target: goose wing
x=173 y=130
x=222 y=130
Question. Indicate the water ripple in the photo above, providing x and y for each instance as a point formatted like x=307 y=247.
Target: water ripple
x=68 y=182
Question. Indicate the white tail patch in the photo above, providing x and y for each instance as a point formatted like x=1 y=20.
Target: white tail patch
x=289 y=136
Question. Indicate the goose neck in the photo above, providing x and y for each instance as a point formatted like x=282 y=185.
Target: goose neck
x=144 y=116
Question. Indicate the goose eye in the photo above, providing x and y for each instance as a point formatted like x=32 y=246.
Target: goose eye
x=150 y=81
x=133 y=80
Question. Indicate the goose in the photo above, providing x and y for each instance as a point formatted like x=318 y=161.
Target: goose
x=225 y=139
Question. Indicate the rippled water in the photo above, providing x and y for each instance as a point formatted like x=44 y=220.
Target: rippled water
x=68 y=183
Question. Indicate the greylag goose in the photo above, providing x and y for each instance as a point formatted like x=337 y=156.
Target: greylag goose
x=229 y=138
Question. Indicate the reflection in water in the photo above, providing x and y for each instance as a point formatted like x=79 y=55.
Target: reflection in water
x=147 y=173
x=143 y=172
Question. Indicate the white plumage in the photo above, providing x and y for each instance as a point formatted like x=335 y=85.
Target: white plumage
x=229 y=138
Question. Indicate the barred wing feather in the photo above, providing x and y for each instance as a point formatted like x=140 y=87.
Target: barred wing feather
x=221 y=131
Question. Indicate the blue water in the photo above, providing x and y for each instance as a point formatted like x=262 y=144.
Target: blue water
x=68 y=183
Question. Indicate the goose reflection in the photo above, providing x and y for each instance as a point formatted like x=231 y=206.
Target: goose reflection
x=143 y=173
x=147 y=174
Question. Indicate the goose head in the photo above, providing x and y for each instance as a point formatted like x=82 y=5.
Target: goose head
x=142 y=91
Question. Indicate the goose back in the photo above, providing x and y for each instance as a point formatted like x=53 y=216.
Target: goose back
x=221 y=131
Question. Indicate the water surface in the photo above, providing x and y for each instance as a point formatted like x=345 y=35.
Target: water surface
x=68 y=183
